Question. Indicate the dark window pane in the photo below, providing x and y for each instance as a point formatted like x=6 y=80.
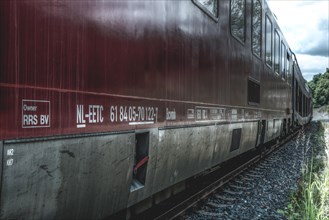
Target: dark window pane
x=257 y=27
x=238 y=19
x=268 y=43
x=276 y=52
x=283 y=60
x=288 y=68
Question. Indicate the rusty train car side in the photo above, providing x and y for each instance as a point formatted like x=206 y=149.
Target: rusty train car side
x=109 y=105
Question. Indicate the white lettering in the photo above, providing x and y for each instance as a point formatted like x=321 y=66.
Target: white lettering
x=101 y=118
x=10 y=152
x=30 y=120
x=94 y=115
x=35 y=113
x=198 y=114
x=204 y=114
x=30 y=108
x=80 y=118
x=91 y=114
x=170 y=115
x=134 y=115
x=190 y=113
x=44 y=119
x=10 y=162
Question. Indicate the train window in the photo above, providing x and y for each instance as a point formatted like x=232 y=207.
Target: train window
x=296 y=96
x=307 y=88
x=304 y=110
x=268 y=41
x=209 y=6
x=238 y=19
x=276 y=52
x=283 y=60
x=253 y=92
x=291 y=68
x=257 y=27
x=288 y=68
x=300 y=102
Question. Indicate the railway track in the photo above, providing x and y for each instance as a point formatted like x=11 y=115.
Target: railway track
x=260 y=191
x=230 y=182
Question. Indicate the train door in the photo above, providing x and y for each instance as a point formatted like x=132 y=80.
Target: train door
x=261 y=133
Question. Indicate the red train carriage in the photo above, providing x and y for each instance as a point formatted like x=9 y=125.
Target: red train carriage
x=105 y=104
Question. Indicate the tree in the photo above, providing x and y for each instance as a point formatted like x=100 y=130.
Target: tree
x=319 y=86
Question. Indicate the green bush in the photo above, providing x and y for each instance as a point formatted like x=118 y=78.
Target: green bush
x=319 y=86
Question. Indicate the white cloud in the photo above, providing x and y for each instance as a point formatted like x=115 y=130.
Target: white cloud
x=311 y=65
x=305 y=25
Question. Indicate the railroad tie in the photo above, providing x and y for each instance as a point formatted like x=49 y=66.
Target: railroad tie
x=253 y=176
x=247 y=179
x=218 y=206
x=239 y=187
x=232 y=192
x=209 y=214
x=225 y=198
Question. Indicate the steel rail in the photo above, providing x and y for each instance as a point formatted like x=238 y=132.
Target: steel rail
x=178 y=209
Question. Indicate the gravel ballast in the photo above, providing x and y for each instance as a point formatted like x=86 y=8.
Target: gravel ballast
x=265 y=188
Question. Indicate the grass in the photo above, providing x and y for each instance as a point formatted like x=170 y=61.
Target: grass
x=311 y=201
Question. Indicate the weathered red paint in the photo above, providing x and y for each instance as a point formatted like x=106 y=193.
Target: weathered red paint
x=124 y=53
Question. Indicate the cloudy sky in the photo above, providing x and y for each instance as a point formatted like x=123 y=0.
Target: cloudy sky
x=305 y=25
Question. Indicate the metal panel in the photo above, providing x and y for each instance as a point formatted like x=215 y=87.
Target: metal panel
x=222 y=144
x=85 y=178
x=94 y=74
x=182 y=153
x=185 y=152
